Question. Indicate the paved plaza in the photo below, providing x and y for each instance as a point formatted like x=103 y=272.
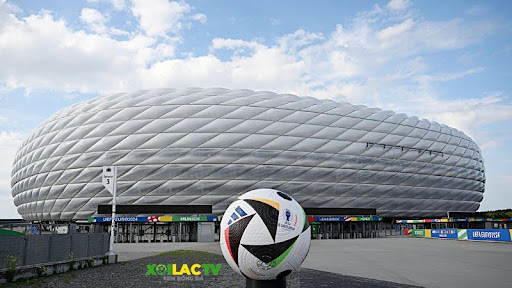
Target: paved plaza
x=416 y=261
x=413 y=261
x=132 y=251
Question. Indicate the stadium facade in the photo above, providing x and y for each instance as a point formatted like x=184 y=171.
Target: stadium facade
x=208 y=146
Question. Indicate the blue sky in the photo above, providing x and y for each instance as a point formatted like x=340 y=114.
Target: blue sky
x=447 y=61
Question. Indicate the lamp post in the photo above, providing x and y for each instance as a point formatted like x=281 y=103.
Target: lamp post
x=109 y=180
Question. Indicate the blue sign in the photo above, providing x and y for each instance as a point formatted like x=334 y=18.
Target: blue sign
x=444 y=233
x=33 y=230
x=460 y=220
x=489 y=234
x=344 y=219
x=120 y=219
x=212 y=218
x=322 y=219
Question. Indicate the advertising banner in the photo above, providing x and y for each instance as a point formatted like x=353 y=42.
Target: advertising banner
x=156 y=219
x=444 y=233
x=119 y=219
x=456 y=220
x=416 y=233
x=343 y=219
x=194 y=218
x=460 y=220
x=188 y=218
x=489 y=234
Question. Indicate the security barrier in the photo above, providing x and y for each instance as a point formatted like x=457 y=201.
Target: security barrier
x=444 y=233
x=502 y=235
x=51 y=248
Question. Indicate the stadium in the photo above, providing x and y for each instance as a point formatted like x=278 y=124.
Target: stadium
x=208 y=146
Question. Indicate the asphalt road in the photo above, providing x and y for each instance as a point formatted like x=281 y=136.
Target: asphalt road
x=413 y=261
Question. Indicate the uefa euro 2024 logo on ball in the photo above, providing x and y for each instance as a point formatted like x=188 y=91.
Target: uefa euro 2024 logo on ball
x=265 y=235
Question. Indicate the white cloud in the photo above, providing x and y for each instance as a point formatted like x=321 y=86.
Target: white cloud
x=233 y=44
x=398 y=5
x=97 y=22
x=362 y=63
x=201 y=18
x=266 y=68
x=298 y=39
x=159 y=17
x=94 y=19
x=60 y=58
x=466 y=114
x=396 y=30
x=118 y=32
x=118 y=4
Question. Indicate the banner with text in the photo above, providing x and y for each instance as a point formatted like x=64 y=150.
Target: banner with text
x=444 y=233
x=344 y=219
x=184 y=218
x=416 y=232
x=489 y=234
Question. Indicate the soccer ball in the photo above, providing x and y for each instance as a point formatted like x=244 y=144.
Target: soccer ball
x=265 y=235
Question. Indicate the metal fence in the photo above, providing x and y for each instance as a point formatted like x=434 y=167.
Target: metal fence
x=47 y=248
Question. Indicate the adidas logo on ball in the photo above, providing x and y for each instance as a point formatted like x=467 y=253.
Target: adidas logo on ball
x=265 y=234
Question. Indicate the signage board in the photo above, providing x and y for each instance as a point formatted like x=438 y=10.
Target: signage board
x=455 y=220
x=109 y=178
x=489 y=234
x=315 y=228
x=444 y=233
x=193 y=218
x=344 y=219
x=118 y=219
x=416 y=232
x=184 y=218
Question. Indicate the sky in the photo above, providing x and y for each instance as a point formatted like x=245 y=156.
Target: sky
x=446 y=61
